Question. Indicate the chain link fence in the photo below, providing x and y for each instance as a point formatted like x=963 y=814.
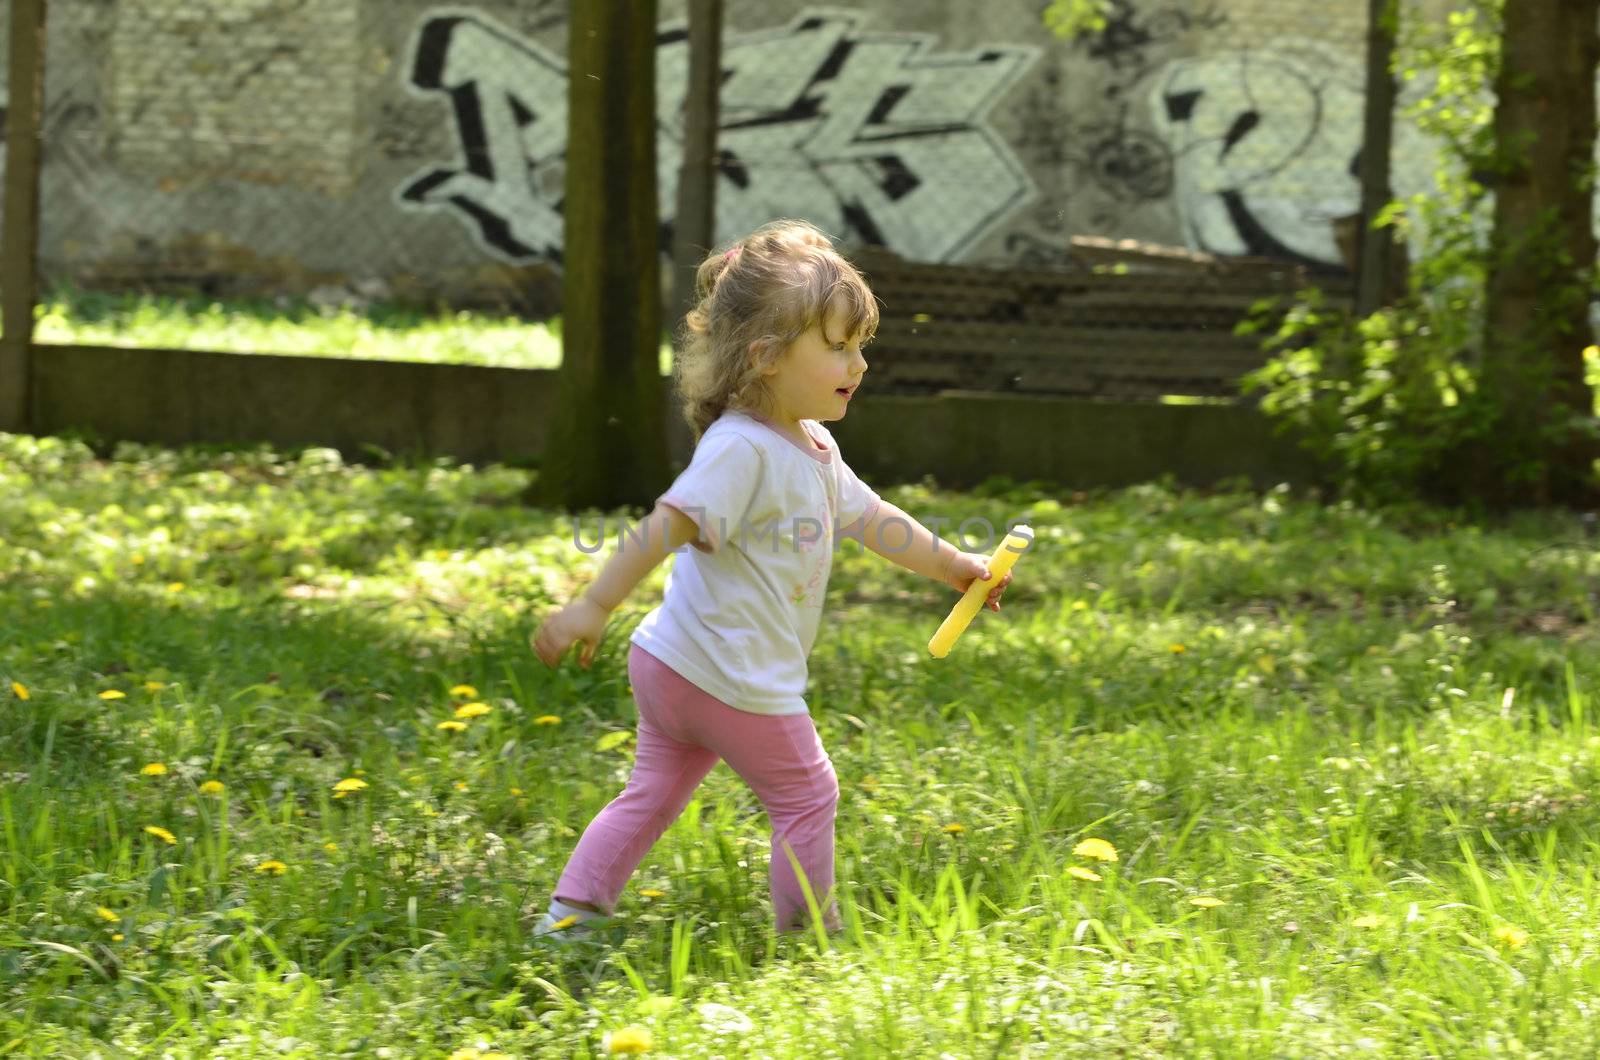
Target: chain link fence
x=412 y=152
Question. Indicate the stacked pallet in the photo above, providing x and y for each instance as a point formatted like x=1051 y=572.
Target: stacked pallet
x=1122 y=321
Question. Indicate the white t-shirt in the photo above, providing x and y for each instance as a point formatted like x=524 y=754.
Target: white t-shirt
x=742 y=605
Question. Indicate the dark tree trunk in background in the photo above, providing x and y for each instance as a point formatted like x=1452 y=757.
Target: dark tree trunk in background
x=1374 y=270
x=607 y=445
x=694 y=229
x=1543 y=250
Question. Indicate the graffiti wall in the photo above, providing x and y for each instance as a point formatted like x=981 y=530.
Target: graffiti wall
x=418 y=148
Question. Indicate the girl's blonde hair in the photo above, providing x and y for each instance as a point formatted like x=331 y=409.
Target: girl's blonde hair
x=755 y=299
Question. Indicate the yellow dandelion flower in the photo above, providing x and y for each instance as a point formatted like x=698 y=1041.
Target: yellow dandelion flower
x=340 y=794
x=564 y=923
x=358 y=772
x=349 y=784
x=112 y=693
x=547 y=719
x=174 y=587
x=212 y=787
x=20 y=689
x=613 y=740
x=332 y=848
x=1177 y=649
x=464 y=691
x=651 y=892
x=272 y=866
x=630 y=1039
x=955 y=828
x=516 y=791
x=154 y=686
x=461 y=785
x=1205 y=901
x=473 y=710
x=1369 y=920
x=1512 y=936
x=137 y=559
x=117 y=937
x=161 y=834
x=107 y=914
x=1098 y=849
x=1081 y=873
x=452 y=725
x=154 y=769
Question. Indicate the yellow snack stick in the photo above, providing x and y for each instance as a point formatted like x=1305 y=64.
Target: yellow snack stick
x=1016 y=542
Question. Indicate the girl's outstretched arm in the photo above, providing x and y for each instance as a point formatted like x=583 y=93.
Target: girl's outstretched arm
x=895 y=535
x=638 y=552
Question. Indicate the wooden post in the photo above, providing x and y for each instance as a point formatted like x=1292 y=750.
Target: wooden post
x=1375 y=247
x=19 y=230
x=694 y=229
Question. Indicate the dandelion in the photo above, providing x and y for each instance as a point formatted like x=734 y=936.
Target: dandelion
x=1370 y=920
x=154 y=686
x=117 y=937
x=452 y=725
x=1177 y=649
x=1081 y=873
x=332 y=848
x=154 y=769
x=1205 y=901
x=464 y=691
x=107 y=915
x=1512 y=936
x=564 y=923
x=161 y=834
x=1098 y=849
x=212 y=787
x=112 y=693
x=471 y=1052
x=630 y=1039
x=651 y=892
x=955 y=828
x=473 y=710
x=174 y=587
x=272 y=867
x=547 y=719
x=20 y=689
x=349 y=784
x=461 y=785
x=516 y=791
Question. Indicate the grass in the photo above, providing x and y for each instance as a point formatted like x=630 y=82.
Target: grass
x=70 y=315
x=1368 y=736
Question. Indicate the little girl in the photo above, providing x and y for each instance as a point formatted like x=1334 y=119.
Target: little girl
x=719 y=669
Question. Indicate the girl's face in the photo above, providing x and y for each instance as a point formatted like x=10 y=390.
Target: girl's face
x=817 y=375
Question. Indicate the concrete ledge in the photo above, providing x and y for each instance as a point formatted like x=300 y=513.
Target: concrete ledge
x=478 y=415
x=963 y=438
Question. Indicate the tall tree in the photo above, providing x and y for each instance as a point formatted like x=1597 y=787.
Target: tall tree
x=607 y=443
x=1542 y=254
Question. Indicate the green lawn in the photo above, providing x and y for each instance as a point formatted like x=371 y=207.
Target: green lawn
x=297 y=327
x=1337 y=831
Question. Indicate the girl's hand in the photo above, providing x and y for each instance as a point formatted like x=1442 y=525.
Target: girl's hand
x=965 y=566
x=582 y=620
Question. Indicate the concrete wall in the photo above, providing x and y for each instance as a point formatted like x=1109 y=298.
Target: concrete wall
x=479 y=414
x=414 y=148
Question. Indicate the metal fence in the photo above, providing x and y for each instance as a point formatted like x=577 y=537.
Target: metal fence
x=412 y=152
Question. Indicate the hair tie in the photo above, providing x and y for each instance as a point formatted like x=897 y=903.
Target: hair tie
x=729 y=256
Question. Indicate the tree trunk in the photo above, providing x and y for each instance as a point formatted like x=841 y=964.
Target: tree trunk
x=694 y=228
x=1542 y=256
x=607 y=445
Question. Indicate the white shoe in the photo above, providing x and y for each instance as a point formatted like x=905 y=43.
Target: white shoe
x=575 y=927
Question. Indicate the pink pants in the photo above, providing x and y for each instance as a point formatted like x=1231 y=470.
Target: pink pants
x=683 y=732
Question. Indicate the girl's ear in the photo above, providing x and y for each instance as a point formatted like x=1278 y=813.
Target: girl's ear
x=757 y=347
